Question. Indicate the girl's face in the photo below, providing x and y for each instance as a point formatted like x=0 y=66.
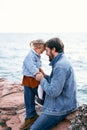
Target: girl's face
x=40 y=50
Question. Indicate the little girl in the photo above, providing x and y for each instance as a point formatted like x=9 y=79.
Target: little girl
x=31 y=67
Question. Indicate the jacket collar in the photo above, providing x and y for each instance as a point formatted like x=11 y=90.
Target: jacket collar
x=56 y=59
x=35 y=52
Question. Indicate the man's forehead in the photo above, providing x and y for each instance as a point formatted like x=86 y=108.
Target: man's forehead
x=47 y=48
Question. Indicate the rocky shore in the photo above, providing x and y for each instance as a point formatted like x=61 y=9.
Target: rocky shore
x=12 y=110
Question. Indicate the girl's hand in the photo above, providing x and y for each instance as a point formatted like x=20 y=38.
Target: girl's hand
x=39 y=76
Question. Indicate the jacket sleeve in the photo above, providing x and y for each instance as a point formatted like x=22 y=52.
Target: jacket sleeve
x=56 y=84
x=31 y=65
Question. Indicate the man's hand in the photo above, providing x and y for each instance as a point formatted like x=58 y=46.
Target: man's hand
x=39 y=76
x=41 y=70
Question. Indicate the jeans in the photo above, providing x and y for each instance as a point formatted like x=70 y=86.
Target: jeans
x=46 y=122
x=29 y=99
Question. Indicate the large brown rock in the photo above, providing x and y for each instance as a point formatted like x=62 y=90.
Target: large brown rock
x=12 y=110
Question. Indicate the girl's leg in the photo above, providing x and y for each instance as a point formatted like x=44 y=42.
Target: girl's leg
x=29 y=99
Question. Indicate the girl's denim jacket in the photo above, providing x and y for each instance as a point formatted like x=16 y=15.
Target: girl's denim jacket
x=60 y=88
x=31 y=64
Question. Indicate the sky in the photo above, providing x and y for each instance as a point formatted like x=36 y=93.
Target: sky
x=26 y=16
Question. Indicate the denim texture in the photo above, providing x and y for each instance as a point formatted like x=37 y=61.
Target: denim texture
x=60 y=98
x=29 y=98
x=46 y=122
x=60 y=88
x=31 y=64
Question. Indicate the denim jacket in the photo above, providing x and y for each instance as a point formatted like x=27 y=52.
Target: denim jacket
x=31 y=63
x=60 y=88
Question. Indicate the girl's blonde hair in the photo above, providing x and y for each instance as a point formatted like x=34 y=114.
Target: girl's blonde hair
x=37 y=43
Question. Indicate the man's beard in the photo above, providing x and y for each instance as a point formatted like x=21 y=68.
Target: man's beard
x=50 y=59
x=51 y=56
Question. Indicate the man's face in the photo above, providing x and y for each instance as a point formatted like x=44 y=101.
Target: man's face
x=49 y=53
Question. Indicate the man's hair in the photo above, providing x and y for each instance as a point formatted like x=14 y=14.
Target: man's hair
x=37 y=43
x=55 y=43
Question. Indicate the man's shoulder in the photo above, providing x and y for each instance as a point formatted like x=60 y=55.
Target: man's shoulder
x=63 y=63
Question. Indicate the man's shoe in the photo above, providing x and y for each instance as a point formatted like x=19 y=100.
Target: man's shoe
x=28 y=122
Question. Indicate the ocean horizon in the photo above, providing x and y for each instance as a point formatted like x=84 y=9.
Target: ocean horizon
x=15 y=46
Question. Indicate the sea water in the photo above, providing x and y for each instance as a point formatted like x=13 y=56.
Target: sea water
x=15 y=46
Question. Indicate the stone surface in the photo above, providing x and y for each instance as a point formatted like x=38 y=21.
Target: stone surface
x=12 y=110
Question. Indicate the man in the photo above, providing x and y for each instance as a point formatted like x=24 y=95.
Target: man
x=60 y=88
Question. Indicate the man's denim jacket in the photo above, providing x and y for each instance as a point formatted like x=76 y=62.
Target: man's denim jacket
x=60 y=88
